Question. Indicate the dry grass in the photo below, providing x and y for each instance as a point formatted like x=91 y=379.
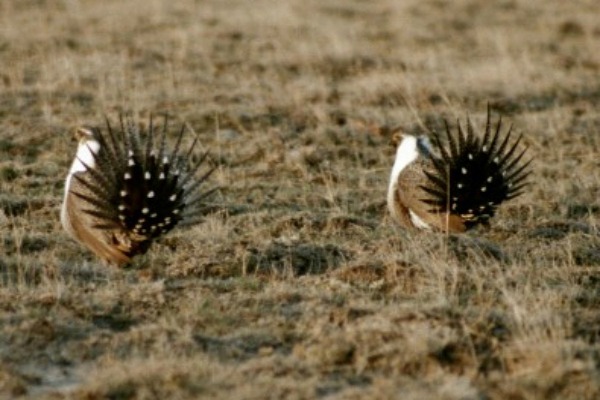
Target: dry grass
x=300 y=286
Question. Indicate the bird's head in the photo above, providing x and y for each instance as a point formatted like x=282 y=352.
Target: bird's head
x=403 y=142
x=398 y=136
x=406 y=140
x=87 y=146
x=84 y=134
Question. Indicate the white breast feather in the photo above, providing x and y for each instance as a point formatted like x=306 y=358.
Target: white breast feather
x=418 y=222
x=84 y=155
x=408 y=152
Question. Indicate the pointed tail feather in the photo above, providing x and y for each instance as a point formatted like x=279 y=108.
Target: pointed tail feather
x=470 y=176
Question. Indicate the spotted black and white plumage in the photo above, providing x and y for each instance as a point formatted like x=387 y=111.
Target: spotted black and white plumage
x=458 y=185
x=124 y=190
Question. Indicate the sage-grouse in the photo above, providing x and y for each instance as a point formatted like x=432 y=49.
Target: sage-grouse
x=124 y=190
x=456 y=186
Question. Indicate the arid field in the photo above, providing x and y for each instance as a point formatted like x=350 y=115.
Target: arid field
x=298 y=285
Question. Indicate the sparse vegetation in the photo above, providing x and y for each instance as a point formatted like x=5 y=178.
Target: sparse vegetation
x=298 y=285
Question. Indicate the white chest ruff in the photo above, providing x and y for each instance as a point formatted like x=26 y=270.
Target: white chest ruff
x=418 y=222
x=407 y=153
x=84 y=159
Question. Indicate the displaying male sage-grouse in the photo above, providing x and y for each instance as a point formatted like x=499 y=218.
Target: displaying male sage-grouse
x=121 y=193
x=456 y=186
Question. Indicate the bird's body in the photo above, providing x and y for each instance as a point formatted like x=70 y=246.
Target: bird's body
x=122 y=194
x=407 y=172
x=455 y=187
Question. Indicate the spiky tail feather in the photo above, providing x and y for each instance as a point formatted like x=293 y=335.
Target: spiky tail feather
x=138 y=189
x=471 y=176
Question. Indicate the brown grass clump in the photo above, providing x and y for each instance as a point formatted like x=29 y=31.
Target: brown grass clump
x=298 y=285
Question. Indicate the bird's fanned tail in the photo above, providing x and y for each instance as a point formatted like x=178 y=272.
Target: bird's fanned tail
x=143 y=191
x=471 y=176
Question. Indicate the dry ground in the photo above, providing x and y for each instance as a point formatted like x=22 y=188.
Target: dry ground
x=299 y=286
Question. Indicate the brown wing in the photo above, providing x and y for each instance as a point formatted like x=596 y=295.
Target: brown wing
x=409 y=196
x=103 y=242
